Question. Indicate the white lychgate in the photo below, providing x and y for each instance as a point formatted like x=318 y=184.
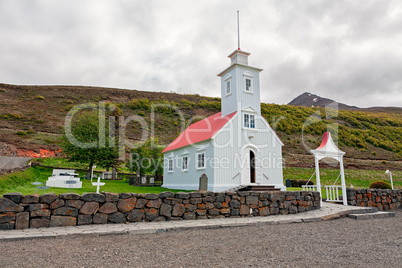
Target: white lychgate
x=329 y=149
x=234 y=147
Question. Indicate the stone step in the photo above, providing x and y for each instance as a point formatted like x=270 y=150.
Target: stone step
x=373 y=215
x=259 y=188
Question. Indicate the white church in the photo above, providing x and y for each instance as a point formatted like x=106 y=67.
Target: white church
x=235 y=147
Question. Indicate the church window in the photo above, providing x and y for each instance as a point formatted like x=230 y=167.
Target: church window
x=170 y=165
x=228 y=90
x=184 y=163
x=248 y=85
x=249 y=121
x=201 y=160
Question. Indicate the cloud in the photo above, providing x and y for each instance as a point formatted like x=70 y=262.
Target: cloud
x=338 y=49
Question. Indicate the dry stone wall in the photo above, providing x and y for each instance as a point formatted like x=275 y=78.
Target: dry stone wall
x=19 y=211
x=383 y=199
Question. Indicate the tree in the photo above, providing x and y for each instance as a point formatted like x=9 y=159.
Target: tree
x=147 y=158
x=85 y=129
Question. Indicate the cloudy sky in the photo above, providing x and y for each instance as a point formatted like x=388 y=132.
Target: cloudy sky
x=350 y=51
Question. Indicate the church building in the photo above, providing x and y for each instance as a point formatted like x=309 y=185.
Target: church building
x=235 y=147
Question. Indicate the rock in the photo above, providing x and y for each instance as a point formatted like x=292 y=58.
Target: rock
x=195 y=200
x=189 y=216
x=219 y=199
x=208 y=199
x=127 y=204
x=15 y=197
x=48 y=198
x=166 y=195
x=111 y=197
x=178 y=210
x=100 y=218
x=38 y=223
x=165 y=210
x=7 y=226
x=293 y=209
x=190 y=207
x=182 y=195
x=156 y=203
x=93 y=197
x=89 y=208
x=141 y=203
x=6 y=205
x=124 y=195
x=209 y=206
x=244 y=210
x=234 y=204
x=75 y=203
x=160 y=218
x=70 y=196
x=7 y=217
x=214 y=212
x=117 y=217
x=274 y=211
x=84 y=219
x=57 y=203
x=22 y=220
x=225 y=211
x=195 y=195
x=57 y=221
x=201 y=212
x=201 y=206
x=33 y=207
x=151 y=196
x=263 y=211
x=31 y=198
x=108 y=208
x=151 y=214
x=234 y=212
x=252 y=200
x=135 y=215
x=66 y=211
x=40 y=213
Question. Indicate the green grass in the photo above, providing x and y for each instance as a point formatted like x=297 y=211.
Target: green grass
x=22 y=182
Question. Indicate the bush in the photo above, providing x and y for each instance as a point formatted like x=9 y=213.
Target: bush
x=39 y=97
x=380 y=185
x=294 y=183
x=304 y=182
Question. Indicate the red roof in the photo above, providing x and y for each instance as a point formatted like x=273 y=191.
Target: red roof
x=324 y=140
x=200 y=131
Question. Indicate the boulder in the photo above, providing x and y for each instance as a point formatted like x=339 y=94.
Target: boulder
x=57 y=221
x=84 y=219
x=155 y=203
x=33 y=207
x=244 y=210
x=6 y=205
x=166 y=210
x=29 y=199
x=40 y=222
x=124 y=195
x=151 y=214
x=189 y=216
x=15 y=197
x=151 y=196
x=75 y=203
x=182 y=195
x=93 y=197
x=22 y=220
x=252 y=200
x=70 y=196
x=89 y=208
x=141 y=203
x=166 y=195
x=7 y=217
x=108 y=208
x=178 y=210
x=111 y=197
x=100 y=218
x=40 y=213
x=7 y=226
x=117 y=217
x=135 y=215
x=234 y=204
x=48 y=198
x=57 y=203
x=127 y=204
x=66 y=211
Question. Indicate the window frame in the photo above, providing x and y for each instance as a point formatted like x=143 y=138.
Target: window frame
x=248 y=77
x=182 y=163
x=249 y=120
x=203 y=160
x=170 y=164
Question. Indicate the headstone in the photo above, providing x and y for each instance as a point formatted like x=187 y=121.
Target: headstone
x=152 y=180
x=144 y=180
x=203 y=183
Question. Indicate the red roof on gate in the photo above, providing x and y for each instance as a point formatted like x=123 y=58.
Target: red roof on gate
x=200 y=131
x=324 y=140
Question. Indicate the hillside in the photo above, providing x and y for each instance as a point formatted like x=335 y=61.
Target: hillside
x=308 y=99
x=32 y=120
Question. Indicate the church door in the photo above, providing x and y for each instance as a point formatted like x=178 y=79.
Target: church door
x=252 y=167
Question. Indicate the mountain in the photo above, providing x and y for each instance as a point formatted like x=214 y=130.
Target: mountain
x=308 y=99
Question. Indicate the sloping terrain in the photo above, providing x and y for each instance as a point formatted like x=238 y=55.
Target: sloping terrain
x=32 y=120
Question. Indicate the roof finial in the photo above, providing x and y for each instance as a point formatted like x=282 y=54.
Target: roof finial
x=238 y=32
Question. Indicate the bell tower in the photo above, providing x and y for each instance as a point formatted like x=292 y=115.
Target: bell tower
x=240 y=85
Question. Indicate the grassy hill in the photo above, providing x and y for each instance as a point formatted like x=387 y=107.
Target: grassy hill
x=32 y=119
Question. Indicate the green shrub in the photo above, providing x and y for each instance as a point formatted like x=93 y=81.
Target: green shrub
x=21 y=133
x=380 y=185
x=39 y=97
x=3 y=90
x=136 y=104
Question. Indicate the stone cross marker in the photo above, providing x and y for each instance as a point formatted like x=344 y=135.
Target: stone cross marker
x=98 y=184
x=203 y=183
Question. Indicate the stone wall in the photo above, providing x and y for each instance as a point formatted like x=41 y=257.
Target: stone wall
x=51 y=210
x=380 y=198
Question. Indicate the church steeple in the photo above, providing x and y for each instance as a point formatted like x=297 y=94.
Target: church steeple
x=240 y=85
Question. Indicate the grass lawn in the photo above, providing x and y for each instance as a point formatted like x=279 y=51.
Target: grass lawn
x=22 y=182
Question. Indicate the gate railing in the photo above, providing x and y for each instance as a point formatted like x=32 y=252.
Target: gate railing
x=333 y=192
x=309 y=188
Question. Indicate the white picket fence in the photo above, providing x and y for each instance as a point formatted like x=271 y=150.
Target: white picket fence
x=333 y=193
x=309 y=188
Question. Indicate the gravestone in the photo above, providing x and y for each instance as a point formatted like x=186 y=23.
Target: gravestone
x=203 y=183
x=144 y=180
x=152 y=180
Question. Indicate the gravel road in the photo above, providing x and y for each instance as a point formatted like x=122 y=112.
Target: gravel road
x=343 y=242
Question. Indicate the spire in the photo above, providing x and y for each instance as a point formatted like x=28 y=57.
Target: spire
x=238 y=31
